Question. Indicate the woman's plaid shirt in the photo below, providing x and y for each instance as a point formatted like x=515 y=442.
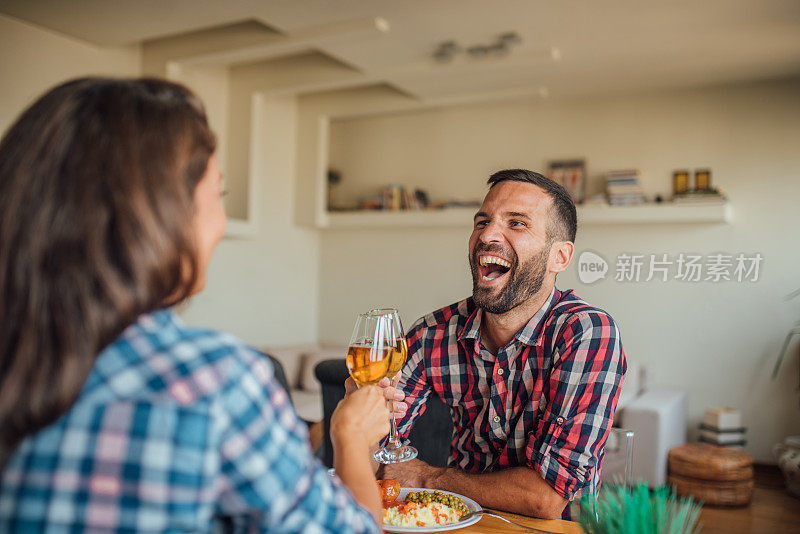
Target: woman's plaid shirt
x=175 y=429
x=546 y=401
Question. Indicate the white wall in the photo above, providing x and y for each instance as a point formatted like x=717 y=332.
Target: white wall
x=33 y=60
x=718 y=342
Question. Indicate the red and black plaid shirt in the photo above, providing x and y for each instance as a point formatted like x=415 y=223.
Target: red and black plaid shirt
x=546 y=401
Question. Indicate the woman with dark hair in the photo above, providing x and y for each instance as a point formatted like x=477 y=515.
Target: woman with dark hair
x=114 y=415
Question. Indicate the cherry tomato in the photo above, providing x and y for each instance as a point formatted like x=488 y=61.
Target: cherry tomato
x=389 y=489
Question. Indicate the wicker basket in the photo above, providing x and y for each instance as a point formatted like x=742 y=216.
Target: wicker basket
x=716 y=475
x=714 y=493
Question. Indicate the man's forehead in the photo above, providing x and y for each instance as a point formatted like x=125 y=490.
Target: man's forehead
x=516 y=197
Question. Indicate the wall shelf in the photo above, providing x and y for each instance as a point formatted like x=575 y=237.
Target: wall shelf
x=462 y=217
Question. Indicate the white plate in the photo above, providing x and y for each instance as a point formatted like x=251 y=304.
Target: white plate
x=472 y=505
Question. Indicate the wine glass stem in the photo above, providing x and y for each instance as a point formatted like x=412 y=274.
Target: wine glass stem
x=394 y=441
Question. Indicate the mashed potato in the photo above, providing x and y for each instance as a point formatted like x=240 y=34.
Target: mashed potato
x=411 y=514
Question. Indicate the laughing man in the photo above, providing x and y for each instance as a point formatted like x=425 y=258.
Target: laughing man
x=531 y=374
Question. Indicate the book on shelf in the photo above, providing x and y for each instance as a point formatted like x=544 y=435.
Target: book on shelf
x=623 y=173
x=623 y=188
x=397 y=197
x=626 y=200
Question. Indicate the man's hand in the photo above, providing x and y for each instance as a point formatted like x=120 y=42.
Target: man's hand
x=413 y=474
x=389 y=392
x=517 y=489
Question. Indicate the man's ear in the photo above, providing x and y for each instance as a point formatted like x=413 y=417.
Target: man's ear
x=561 y=255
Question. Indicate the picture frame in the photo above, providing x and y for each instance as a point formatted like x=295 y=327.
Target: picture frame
x=680 y=182
x=702 y=180
x=571 y=174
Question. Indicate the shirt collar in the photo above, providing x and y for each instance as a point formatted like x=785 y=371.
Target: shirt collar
x=472 y=328
x=156 y=321
x=528 y=334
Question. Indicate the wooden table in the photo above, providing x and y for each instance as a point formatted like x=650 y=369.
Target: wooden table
x=492 y=525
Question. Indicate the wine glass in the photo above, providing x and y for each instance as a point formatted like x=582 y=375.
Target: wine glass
x=370 y=350
x=394 y=451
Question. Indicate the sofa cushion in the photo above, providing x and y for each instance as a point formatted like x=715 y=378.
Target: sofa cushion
x=308 y=404
x=311 y=357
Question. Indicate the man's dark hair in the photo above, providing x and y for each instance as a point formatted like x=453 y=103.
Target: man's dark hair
x=563 y=217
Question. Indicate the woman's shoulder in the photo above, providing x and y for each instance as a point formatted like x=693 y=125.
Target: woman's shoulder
x=160 y=356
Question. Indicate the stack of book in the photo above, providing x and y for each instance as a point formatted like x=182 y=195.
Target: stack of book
x=723 y=427
x=397 y=197
x=623 y=188
x=394 y=197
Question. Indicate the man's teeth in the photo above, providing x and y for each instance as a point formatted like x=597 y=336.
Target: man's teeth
x=493 y=259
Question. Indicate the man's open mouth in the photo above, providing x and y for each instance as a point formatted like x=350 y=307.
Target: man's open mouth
x=492 y=267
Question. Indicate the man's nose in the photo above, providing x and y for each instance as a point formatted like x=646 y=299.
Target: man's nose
x=491 y=233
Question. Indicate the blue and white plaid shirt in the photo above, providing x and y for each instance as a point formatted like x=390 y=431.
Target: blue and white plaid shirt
x=174 y=429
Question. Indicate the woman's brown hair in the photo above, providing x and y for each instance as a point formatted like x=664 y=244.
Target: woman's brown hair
x=96 y=186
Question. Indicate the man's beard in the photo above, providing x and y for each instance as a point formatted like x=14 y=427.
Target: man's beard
x=524 y=280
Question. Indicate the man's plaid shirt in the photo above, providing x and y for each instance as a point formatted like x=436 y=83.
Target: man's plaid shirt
x=174 y=429
x=546 y=401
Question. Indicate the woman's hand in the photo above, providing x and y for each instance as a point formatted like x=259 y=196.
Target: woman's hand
x=362 y=414
x=359 y=421
x=390 y=393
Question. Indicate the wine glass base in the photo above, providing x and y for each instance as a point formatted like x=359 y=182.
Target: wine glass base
x=394 y=454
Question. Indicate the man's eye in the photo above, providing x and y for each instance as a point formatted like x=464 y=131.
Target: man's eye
x=516 y=223
x=480 y=224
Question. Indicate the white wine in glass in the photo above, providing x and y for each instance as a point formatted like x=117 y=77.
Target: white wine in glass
x=371 y=348
x=399 y=355
x=367 y=364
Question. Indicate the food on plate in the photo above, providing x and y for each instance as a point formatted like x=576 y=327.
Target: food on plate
x=412 y=514
x=440 y=497
x=389 y=490
x=424 y=509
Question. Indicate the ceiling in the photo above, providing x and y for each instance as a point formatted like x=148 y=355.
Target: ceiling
x=569 y=47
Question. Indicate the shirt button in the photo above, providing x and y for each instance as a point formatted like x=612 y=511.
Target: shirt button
x=496 y=418
x=560 y=421
x=500 y=372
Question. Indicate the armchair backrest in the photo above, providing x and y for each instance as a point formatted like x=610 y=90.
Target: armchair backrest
x=431 y=435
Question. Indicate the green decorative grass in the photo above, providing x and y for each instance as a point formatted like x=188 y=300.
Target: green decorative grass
x=638 y=510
